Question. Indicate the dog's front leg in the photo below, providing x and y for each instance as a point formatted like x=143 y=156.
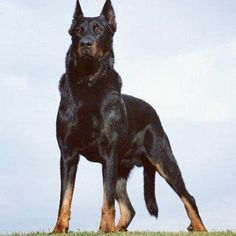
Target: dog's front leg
x=68 y=168
x=109 y=171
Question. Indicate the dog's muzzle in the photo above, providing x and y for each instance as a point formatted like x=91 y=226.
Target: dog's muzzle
x=87 y=47
x=85 y=43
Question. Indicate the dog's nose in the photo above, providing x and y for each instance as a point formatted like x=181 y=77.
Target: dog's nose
x=86 y=43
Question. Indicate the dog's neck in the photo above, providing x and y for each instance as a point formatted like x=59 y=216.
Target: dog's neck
x=83 y=77
x=89 y=71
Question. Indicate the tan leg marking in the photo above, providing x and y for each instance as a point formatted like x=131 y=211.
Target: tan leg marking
x=126 y=217
x=126 y=210
x=107 y=224
x=196 y=223
x=158 y=168
x=62 y=224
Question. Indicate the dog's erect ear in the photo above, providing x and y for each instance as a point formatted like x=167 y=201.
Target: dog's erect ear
x=78 y=14
x=109 y=14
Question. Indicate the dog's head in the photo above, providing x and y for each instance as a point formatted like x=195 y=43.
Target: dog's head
x=92 y=36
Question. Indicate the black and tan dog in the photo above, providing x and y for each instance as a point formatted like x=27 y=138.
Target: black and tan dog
x=105 y=126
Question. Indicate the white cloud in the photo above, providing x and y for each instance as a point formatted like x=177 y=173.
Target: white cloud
x=3 y=199
x=198 y=85
x=14 y=82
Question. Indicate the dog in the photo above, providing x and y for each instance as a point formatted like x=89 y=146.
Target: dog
x=118 y=131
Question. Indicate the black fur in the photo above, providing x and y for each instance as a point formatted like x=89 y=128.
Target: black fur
x=97 y=121
x=149 y=173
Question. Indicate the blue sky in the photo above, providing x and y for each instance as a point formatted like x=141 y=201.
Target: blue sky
x=180 y=56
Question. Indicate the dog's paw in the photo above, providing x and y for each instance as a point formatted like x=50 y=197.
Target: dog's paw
x=106 y=228
x=59 y=230
x=190 y=228
x=120 y=229
x=198 y=228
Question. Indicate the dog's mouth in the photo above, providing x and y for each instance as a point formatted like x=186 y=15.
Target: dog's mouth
x=86 y=52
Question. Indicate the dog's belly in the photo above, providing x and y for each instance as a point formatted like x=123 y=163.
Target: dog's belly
x=92 y=155
x=87 y=143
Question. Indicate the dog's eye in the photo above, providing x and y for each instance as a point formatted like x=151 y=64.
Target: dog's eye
x=98 y=29
x=79 y=30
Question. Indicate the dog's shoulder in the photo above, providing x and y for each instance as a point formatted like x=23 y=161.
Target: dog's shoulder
x=67 y=99
x=63 y=88
x=115 y=81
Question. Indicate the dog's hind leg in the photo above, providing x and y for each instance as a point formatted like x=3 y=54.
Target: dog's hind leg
x=159 y=153
x=127 y=211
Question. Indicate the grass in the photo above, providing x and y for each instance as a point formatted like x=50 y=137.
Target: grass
x=226 y=233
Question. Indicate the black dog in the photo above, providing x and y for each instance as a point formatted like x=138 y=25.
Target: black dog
x=105 y=126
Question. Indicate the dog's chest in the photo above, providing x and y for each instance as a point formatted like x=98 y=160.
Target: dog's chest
x=93 y=123
x=88 y=123
x=91 y=131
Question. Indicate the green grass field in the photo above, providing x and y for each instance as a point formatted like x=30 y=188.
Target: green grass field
x=226 y=233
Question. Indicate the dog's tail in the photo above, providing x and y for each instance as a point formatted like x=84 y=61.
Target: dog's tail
x=149 y=174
